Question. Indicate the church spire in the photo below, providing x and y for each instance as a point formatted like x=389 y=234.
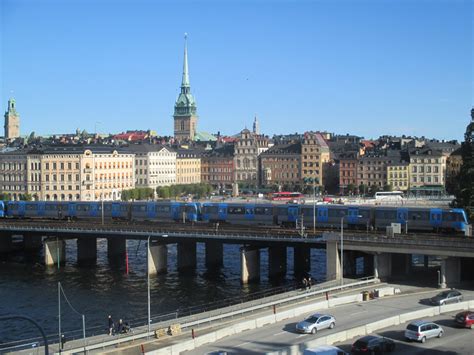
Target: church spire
x=185 y=81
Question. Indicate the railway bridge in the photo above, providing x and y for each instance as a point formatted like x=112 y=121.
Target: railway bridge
x=381 y=255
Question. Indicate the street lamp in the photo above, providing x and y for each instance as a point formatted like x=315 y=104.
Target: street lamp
x=148 y=284
x=313 y=182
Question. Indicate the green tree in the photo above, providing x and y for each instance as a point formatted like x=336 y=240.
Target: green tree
x=388 y=188
x=363 y=189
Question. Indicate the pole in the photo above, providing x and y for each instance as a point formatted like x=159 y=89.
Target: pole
x=59 y=315
x=57 y=251
x=148 y=284
x=342 y=250
x=314 y=209
x=84 y=332
x=102 y=207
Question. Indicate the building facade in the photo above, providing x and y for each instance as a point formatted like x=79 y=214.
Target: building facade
x=427 y=168
x=348 y=170
x=155 y=165
x=247 y=149
x=188 y=166
x=281 y=166
x=398 y=176
x=314 y=153
x=185 y=109
x=12 y=122
x=13 y=174
x=372 y=170
x=217 y=167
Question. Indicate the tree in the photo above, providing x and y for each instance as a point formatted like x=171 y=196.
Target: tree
x=363 y=189
x=465 y=194
x=374 y=189
x=388 y=187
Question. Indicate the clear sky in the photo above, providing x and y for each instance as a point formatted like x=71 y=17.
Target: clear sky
x=367 y=67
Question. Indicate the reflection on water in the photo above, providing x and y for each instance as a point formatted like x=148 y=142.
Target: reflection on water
x=29 y=288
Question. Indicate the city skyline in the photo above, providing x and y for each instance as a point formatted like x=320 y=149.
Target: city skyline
x=119 y=67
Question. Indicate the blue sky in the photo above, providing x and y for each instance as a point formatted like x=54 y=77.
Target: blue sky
x=361 y=67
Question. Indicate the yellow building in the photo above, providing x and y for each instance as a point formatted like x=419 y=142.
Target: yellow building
x=398 y=176
x=188 y=166
x=314 y=153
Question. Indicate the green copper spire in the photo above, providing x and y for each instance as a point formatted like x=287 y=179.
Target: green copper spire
x=185 y=81
x=185 y=104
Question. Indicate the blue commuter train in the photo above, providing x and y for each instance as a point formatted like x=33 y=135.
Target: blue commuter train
x=326 y=216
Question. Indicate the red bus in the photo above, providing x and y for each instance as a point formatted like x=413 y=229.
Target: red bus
x=286 y=196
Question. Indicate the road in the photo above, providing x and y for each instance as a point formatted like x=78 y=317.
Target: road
x=454 y=341
x=281 y=335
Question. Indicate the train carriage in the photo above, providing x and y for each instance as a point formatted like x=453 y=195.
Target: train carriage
x=287 y=215
x=214 y=212
x=79 y=210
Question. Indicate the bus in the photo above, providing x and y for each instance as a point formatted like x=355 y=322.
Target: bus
x=286 y=196
x=389 y=195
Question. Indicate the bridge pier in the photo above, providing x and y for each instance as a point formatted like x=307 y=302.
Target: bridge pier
x=450 y=273
x=368 y=264
x=116 y=247
x=276 y=261
x=250 y=264
x=214 y=254
x=382 y=265
x=401 y=264
x=6 y=243
x=333 y=262
x=32 y=242
x=86 y=250
x=186 y=255
x=301 y=260
x=350 y=263
x=54 y=250
x=157 y=257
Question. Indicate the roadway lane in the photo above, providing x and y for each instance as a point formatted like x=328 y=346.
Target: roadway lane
x=454 y=341
x=283 y=334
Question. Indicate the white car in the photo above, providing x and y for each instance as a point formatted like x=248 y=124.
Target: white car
x=316 y=322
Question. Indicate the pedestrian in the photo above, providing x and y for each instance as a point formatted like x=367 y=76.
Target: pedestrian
x=305 y=283
x=111 y=325
x=120 y=327
x=310 y=281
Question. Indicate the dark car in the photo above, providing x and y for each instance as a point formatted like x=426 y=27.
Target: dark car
x=445 y=297
x=373 y=345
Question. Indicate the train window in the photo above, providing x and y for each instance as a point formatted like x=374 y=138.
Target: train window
x=210 y=209
x=332 y=212
x=417 y=216
x=282 y=211
x=236 y=210
x=307 y=212
x=107 y=208
x=191 y=209
x=263 y=211
x=31 y=207
x=364 y=214
x=139 y=208
x=162 y=209
x=123 y=208
x=82 y=208
x=249 y=210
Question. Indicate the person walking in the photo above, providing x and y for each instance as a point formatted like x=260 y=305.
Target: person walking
x=111 y=325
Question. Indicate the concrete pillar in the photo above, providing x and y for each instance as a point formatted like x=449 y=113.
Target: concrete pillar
x=333 y=262
x=32 y=242
x=301 y=259
x=116 y=247
x=186 y=255
x=54 y=249
x=157 y=257
x=249 y=265
x=368 y=264
x=401 y=264
x=382 y=265
x=214 y=254
x=276 y=261
x=350 y=259
x=426 y=261
x=86 y=250
x=6 y=243
x=450 y=275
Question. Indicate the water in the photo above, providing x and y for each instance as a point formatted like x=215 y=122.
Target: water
x=29 y=288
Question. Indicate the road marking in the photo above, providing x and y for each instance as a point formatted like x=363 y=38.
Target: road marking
x=279 y=333
x=242 y=344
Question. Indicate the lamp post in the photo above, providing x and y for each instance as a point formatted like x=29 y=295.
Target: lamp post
x=342 y=247
x=148 y=285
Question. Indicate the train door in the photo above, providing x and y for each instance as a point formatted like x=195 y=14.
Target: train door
x=175 y=209
x=352 y=215
x=116 y=213
x=222 y=212
x=322 y=215
x=150 y=210
x=292 y=213
x=435 y=217
x=249 y=213
x=94 y=209
x=402 y=216
x=21 y=208
x=71 y=210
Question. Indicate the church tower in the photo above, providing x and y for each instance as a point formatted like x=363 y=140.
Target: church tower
x=256 y=126
x=185 y=117
x=12 y=122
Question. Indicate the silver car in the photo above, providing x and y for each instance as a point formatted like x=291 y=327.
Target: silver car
x=316 y=322
x=421 y=330
x=445 y=297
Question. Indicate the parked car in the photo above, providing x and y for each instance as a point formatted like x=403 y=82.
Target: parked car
x=421 y=330
x=445 y=297
x=371 y=344
x=316 y=322
x=325 y=350
x=465 y=319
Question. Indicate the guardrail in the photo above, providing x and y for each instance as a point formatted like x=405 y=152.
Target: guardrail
x=220 y=314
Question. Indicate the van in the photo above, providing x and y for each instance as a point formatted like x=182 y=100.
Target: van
x=325 y=350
